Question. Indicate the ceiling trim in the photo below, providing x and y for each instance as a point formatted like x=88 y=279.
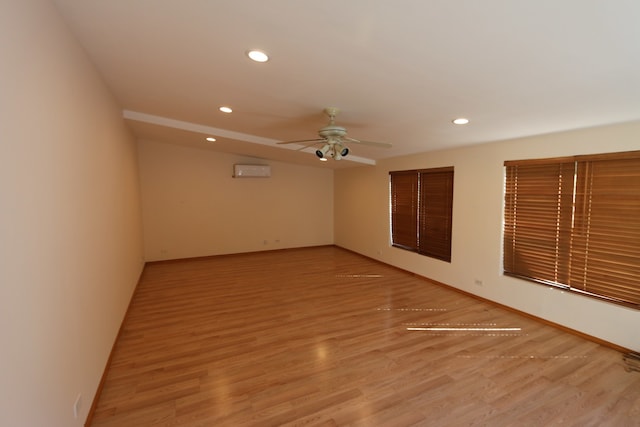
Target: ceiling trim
x=224 y=133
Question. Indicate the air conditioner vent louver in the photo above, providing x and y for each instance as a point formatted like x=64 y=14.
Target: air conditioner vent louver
x=251 y=171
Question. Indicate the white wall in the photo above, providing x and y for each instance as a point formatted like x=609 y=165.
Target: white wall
x=193 y=207
x=70 y=224
x=362 y=204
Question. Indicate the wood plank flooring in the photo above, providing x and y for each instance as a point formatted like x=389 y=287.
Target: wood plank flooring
x=325 y=337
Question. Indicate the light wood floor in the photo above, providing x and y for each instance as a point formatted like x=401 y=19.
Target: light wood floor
x=319 y=337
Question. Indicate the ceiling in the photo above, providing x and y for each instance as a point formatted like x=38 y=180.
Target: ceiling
x=399 y=71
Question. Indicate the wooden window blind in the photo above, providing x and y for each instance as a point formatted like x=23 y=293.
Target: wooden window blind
x=421 y=211
x=575 y=223
x=537 y=212
x=436 y=204
x=404 y=209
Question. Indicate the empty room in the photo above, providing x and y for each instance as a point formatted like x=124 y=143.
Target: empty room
x=319 y=213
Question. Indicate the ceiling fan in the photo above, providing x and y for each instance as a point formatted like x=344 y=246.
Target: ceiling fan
x=334 y=139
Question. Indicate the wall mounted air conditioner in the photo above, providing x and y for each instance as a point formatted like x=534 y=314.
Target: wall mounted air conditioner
x=251 y=171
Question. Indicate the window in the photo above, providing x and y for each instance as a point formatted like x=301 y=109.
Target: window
x=574 y=223
x=421 y=208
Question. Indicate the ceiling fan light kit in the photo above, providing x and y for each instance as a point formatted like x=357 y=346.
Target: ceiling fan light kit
x=335 y=150
x=334 y=138
x=323 y=151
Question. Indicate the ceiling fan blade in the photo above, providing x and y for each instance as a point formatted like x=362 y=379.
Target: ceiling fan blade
x=310 y=145
x=372 y=143
x=302 y=140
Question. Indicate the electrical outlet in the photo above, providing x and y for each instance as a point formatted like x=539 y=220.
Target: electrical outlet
x=478 y=282
x=77 y=406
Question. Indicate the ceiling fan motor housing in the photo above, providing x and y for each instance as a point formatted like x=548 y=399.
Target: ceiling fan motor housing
x=332 y=133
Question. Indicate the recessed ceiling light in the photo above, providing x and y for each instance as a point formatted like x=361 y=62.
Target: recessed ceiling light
x=460 y=121
x=258 y=55
x=226 y=109
x=211 y=139
x=323 y=159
